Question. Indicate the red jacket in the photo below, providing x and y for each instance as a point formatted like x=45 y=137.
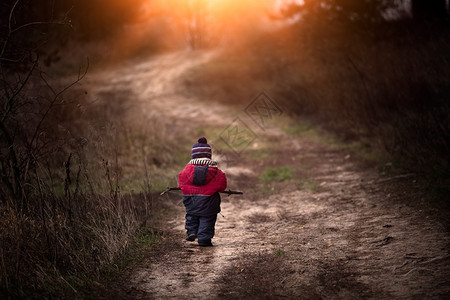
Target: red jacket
x=201 y=185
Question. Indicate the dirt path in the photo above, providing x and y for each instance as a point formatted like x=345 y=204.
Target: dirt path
x=334 y=230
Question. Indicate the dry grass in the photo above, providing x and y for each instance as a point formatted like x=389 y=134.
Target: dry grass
x=86 y=190
x=55 y=249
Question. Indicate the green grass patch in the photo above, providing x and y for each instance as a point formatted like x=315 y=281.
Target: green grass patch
x=265 y=190
x=279 y=253
x=366 y=150
x=300 y=129
x=260 y=154
x=309 y=184
x=276 y=174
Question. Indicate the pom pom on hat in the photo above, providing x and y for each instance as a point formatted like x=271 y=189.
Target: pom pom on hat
x=201 y=149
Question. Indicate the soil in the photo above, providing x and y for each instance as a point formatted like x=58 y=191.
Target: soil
x=336 y=229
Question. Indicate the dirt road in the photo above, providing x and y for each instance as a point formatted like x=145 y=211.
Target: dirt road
x=334 y=229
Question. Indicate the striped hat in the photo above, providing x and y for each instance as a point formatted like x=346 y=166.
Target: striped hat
x=201 y=149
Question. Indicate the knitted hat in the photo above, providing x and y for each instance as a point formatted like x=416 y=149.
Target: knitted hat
x=201 y=149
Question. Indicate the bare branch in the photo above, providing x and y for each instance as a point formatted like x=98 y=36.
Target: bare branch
x=37 y=23
x=17 y=92
x=11 y=31
x=11 y=15
x=53 y=101
x=8 y=36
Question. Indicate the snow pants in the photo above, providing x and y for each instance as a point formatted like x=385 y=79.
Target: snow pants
x=203 y=227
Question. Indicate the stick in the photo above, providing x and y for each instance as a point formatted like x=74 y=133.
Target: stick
x=229 y=192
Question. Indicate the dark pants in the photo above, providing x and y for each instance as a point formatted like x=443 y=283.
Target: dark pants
x=203 y=227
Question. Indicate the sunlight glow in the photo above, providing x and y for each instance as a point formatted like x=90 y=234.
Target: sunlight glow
x=210 y=20
x=193 y=24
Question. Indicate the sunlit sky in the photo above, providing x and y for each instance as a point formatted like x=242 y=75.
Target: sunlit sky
x=217 y=18
x=216 y=8
x=171 y=24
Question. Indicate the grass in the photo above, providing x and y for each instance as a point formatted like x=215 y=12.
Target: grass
x=279 y=253
x=210 y=132
x=265 y=190
x=368 y=149
x=301 y=129
x=140 y=244
x=280 y=174
x=77 y=240
x=82 y=221
x=138 y=249
x=261 y=148
x=309 y=184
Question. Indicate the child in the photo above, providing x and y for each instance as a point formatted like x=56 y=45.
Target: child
x=201 y=181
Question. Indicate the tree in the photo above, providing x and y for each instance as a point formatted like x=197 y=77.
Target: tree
x=196 y=23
